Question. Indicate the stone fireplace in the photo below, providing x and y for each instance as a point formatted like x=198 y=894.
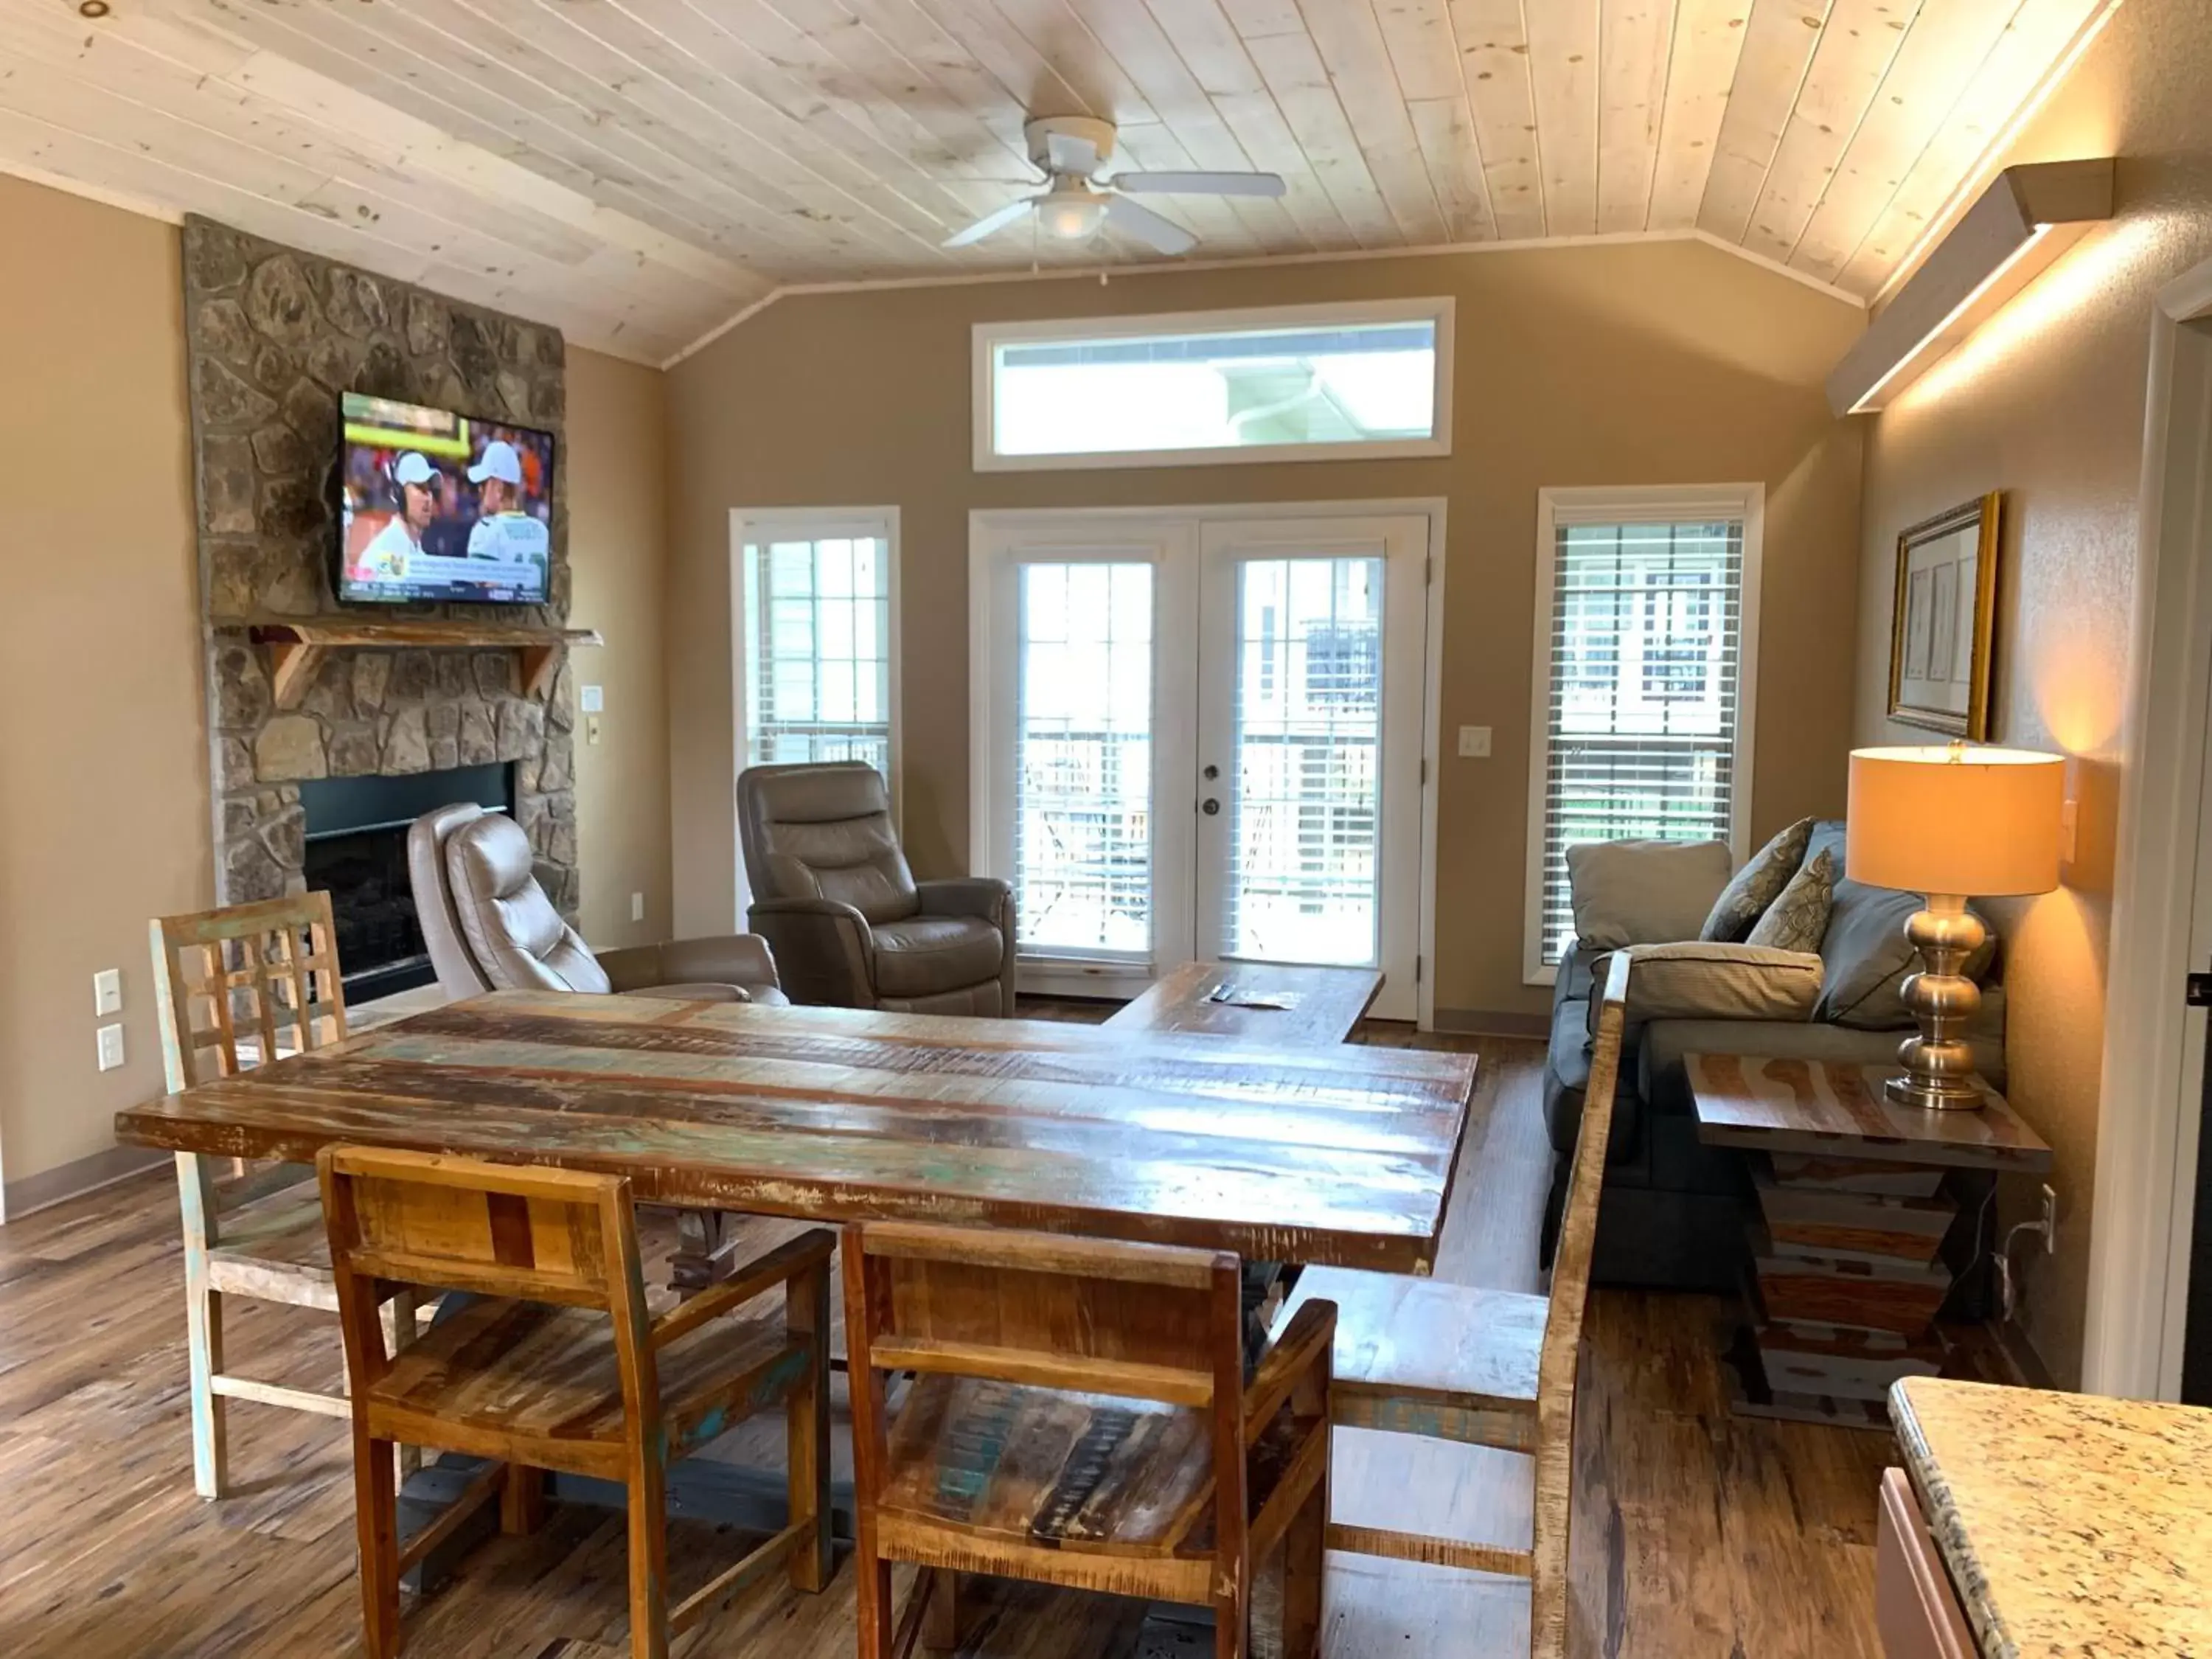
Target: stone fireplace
x=274 y=336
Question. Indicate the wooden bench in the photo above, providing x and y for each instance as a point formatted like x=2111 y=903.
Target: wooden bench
x=1290 y=1006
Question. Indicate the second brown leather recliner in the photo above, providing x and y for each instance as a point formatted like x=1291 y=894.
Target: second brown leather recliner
x=832 y=893
x=490 y=926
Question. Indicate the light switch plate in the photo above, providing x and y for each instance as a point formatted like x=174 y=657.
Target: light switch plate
x=111 y=1048
x=637 y=906
x=1474 y=742
x=107 y=991
x=592 y=699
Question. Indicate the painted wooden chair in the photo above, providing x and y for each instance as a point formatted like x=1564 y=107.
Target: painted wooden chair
x=556 y=1363
x=1078 y=1417
x=1483 y=1367
x=238 y=987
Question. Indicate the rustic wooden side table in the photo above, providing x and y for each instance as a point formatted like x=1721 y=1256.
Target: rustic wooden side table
x=1869 y=1212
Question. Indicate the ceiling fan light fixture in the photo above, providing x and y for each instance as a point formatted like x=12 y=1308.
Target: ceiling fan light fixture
x=1071 y=216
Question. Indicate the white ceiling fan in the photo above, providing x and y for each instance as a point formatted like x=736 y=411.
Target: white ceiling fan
x=1072 y=152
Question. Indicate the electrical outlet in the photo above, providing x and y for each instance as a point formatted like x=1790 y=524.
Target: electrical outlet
x=111 y=1048
x=637 y=906
x=2050 y=1219
x=107 y=991
x=1475 y=742
x=591 y=729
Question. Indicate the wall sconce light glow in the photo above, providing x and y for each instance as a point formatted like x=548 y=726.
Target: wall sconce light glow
x=2061 y=291
x=2026 y=218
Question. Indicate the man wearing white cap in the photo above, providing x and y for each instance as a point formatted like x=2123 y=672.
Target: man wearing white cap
x=503 y=531
x=386 y=556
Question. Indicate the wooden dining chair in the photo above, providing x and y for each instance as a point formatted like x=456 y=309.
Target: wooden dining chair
x=558 y=1364
x=239 y=987
x=1483 y=1367
x=1078 y=1417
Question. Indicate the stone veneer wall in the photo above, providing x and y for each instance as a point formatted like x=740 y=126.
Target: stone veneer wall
x=274 y=336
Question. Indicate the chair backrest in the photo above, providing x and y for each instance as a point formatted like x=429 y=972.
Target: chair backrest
x=458 y=973
x=514 y=936
x=495 y=1229
x=824 y=831
x=265 y=972
x=1561 y=1353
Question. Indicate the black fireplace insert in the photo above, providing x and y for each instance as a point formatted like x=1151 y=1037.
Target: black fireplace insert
x=356 y=834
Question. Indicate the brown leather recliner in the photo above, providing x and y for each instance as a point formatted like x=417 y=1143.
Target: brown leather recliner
x=490 y=926
x=832 y=894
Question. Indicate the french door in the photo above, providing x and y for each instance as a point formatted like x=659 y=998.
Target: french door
x=1202 y=736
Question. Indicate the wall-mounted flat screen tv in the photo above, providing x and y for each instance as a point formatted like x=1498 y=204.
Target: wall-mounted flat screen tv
x=441 y=506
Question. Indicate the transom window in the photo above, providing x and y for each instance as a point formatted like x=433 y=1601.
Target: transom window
x=1649 y=606
x=1292 y=383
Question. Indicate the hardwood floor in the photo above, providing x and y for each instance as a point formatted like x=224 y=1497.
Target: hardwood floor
x=1697 y=1534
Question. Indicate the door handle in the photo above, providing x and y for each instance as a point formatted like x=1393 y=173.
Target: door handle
x=1209 y=806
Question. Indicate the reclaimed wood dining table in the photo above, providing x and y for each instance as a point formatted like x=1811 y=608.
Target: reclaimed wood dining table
x=1323 y=1155
x=1326 y=1155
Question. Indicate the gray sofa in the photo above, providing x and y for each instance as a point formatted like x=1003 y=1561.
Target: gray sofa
x=1674 y=1211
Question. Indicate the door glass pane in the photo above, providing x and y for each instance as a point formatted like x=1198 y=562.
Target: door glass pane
x=1306 y=819
x=1083 y=760
x=818 y=617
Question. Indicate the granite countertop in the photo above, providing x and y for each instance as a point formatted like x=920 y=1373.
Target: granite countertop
x=2071 y=1523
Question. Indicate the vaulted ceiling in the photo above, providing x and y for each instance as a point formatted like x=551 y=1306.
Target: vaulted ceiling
x=638 y=171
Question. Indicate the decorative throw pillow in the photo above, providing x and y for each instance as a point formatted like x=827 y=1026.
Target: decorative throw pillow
x=1798 y=919
x=1643 y=892
x=1757 y=885
x=1712 y=980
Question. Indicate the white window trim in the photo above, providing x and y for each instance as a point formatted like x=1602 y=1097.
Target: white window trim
x=987 y=336
x=815 y=523
x=1609 y=505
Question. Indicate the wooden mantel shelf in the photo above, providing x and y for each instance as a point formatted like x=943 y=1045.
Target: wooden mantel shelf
x=297 y=647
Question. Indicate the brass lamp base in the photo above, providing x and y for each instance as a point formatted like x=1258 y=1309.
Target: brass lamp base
x=1939 y=1064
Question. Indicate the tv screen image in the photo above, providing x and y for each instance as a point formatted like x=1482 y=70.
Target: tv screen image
x=438 y=506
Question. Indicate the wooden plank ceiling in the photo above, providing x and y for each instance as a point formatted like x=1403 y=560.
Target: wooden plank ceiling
x=638 y=171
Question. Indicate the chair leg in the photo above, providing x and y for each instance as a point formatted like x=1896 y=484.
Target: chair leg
x=522 y=1501
x=400 y=1322
x=874 y=1613
x=806 y=1313
x=648 y=1556
x=376 y=1521
x=1305 y=1540
x=203 y=1327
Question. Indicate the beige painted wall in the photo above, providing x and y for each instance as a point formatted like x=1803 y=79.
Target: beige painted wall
x=104 y=813
x=103 y=736
x=617 y=457
x=2046 y=404
x=1651 y=363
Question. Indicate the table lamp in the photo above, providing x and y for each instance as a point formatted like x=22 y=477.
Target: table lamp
x=1953 y=822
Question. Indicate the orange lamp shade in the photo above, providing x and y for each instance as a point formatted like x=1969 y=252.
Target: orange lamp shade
x=1970 y=822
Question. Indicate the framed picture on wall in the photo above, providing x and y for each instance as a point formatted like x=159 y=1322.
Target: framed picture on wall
x=1943 y=613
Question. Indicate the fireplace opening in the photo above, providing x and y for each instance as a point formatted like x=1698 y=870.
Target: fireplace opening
x=356 y=833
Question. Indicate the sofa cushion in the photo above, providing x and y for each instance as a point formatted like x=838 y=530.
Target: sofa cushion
x=1643 y=892
x=1757 y=885
x=923 y=956
x=1799 y=919
x=1711 y=981
x=1868 y=957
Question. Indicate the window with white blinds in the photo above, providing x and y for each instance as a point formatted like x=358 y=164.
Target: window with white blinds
x=1648 y=607
x=815 y=639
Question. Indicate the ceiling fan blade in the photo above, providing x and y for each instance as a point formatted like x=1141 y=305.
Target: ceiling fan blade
x=1147 y=226
x=1068 y=152
x=991 y=223
x=1199 y=183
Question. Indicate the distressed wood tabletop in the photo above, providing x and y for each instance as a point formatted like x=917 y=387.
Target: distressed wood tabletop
x=1337 y=1156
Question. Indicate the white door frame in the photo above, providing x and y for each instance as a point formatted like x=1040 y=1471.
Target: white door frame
x=2147 y=1128
x=988 y=662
